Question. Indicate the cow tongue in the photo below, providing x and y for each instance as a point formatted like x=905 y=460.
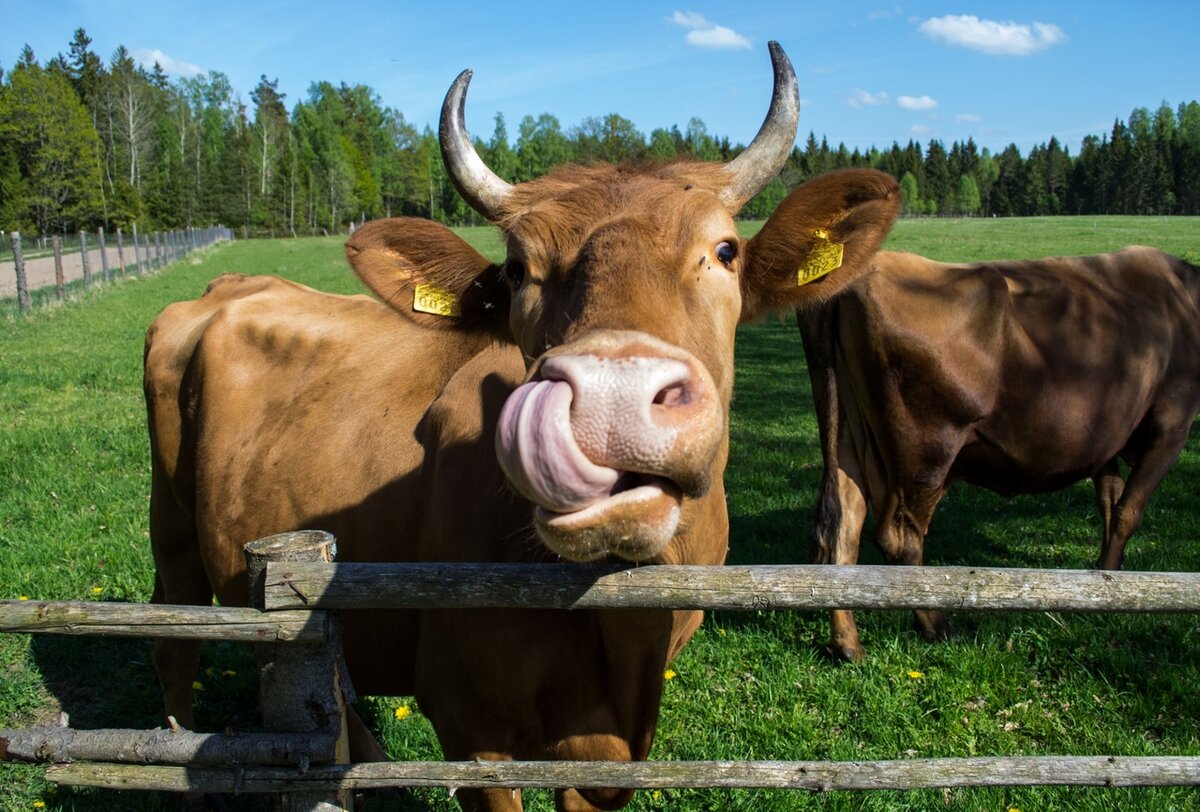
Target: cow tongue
x=537 y=450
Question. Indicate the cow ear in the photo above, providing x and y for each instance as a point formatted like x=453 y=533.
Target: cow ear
x=820 y=238
x=429 y=274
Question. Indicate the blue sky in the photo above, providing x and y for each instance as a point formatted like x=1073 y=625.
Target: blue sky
x=870 y=72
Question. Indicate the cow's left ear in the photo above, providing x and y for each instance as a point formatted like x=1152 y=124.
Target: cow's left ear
x=821 y=237
x=429 y=274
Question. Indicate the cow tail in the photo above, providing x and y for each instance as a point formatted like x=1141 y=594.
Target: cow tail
x=817 y=326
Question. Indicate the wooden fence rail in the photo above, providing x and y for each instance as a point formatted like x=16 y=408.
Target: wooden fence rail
x=819 y=776
x=296 y=585
x=294 y=580
x=152 y=620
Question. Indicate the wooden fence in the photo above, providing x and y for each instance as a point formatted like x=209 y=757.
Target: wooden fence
x=294 y=585
x=92 y=258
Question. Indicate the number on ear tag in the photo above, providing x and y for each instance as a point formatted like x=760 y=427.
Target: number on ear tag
x=824 y=257
x=428 y=299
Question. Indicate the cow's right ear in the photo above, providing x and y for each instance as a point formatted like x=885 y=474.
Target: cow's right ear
x=429 y=274
x=819 y=239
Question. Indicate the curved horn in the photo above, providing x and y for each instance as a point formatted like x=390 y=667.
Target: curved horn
x=760 y=162
x=483 y=189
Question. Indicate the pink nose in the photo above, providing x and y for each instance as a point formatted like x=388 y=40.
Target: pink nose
x=605 y=418
x=626 y=413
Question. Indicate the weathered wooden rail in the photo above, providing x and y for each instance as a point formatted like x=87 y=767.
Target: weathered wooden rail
x=295 y=584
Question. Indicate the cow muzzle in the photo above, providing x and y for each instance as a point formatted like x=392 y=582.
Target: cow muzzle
x=608 y=438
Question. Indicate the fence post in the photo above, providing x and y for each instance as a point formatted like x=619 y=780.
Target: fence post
x=59 y=281
x=103 y=256
x=158 y=249
x=137 y=252
x=120 y=252
x=150 y=263
x=22 y=283
x=301 y=687
x=83 y=254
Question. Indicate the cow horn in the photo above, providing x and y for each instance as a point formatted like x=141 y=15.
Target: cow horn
x=484 y=190
x=760 y=162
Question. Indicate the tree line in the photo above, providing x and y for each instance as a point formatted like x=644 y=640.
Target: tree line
x=86 y=143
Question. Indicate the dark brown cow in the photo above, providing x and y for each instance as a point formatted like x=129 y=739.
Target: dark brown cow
x=1020 y=376
x=592 y=372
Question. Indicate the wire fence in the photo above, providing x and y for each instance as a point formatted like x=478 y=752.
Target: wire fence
x=39 y=270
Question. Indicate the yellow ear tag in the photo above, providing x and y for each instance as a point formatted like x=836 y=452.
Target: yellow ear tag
x=824 y=257
x=428 y=299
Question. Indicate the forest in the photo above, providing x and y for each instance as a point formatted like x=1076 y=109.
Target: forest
x=86 y=143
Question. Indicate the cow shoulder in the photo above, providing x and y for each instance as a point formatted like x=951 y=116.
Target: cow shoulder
x=820 y=238
x=430 y=275
x=930 y=337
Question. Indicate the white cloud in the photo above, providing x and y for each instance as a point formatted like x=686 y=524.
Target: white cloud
x=920 y=129
x=705 y=34
x=861 y=98
x=690 y=19
x=967 y=118
x=146 y=58
x=916 y=102
x=990 y=36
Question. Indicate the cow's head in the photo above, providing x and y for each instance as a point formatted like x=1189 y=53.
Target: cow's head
x=623 y=288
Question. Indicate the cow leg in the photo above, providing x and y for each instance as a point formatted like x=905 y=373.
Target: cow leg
x=900 y=533
x=1109 y=487
x=837 y=529
x=1145 y=475
x=179 y=579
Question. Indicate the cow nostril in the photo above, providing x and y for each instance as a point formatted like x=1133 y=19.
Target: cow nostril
x=677 y=394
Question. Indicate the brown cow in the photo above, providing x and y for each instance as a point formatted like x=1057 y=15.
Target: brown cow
x=1020 y=376
x=592 y=372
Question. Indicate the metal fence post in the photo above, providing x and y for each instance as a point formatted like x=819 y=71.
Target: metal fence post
x=22 y=283
x=301 y=687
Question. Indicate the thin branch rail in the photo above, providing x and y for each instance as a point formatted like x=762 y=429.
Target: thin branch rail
x=822 y=776
x=159 y=746
x=156 y=620
x=294 y=585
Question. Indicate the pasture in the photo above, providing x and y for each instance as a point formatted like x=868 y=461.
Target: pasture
x=74 y=480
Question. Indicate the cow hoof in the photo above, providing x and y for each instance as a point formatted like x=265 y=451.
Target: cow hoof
x=937 y=633
x=845 y=653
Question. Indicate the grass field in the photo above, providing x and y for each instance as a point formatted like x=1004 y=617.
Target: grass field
x=74 y=477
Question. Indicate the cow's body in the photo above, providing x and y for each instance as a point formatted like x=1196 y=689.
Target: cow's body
x=591 y=373
x=1019 y=376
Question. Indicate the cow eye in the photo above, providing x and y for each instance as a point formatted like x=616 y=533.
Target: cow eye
x=726 y=252
x=514 y=271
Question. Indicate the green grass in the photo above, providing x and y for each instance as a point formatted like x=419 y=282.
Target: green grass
x=74 y=478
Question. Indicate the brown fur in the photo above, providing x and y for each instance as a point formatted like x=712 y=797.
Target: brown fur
x=1019 y=376
x=275 y=407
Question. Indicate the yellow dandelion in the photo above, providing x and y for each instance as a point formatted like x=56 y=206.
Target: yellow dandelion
x=96 y=590
x=22 y=597
x=403 y=712
x=228 y=673
x=915 y=675
x=1013 y=809
x=39 y=804
x=669 y=674
x=721 y=632
x=197 y=686
x=656 y=794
